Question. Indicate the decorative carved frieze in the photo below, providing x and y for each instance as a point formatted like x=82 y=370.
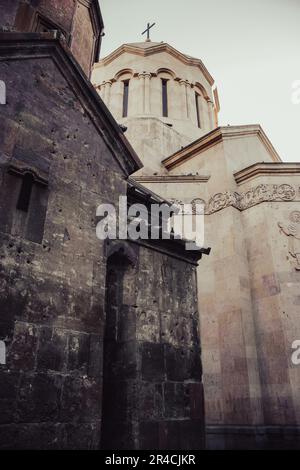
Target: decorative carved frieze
x=261 y=193
x=250 y=198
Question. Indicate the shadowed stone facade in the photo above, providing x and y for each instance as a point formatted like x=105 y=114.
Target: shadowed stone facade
x=151 y=354
x=78 y=22
x=99 y=337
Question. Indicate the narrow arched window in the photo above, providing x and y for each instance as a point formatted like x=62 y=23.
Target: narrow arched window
x=2 y=353
x=125 y=98
x=164 y=82
x=120 y=362
x=197 y=98
x=25 y=193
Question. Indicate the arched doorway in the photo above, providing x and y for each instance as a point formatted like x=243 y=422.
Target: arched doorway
x=119 y=355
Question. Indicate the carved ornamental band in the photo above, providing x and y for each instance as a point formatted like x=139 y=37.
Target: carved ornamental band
x=242 y=201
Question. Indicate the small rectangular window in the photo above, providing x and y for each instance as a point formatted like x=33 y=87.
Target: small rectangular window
x=125 y=98
x=23 y=204
x=198 y=110
x=164 y=97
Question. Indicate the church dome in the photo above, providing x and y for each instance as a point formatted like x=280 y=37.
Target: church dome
x=164 y=97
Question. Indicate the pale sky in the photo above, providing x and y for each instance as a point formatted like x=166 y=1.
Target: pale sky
x=250 y=47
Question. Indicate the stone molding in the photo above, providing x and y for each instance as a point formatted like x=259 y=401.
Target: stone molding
x=267 y=169
x=172 y=179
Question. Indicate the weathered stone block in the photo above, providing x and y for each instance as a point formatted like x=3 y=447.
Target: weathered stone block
x=52 y=349
x=175 y=400
x=79 y=352
x=39 y=398
x=22 y=353
x=152 y=366
x=81 y=400
x=150 y=401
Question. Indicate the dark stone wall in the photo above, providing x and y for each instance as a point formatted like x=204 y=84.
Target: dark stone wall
x=80 y=22
x=52 y=293
x=169 y=355
x=59 y=11
x=53 y=289
x=84 y=39
x=8 y=11
x=152 y=391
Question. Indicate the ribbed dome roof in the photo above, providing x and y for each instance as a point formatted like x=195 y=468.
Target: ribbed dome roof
x=147 y=48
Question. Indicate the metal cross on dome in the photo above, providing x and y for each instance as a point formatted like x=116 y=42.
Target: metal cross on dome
x=147 y=30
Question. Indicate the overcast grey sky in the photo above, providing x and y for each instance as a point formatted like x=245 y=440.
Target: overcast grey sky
x=250 y=47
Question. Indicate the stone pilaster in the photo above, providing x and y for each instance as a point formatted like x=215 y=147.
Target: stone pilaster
x=107 y=88
x=185 y=105
x=145 y=92
x=211 y=114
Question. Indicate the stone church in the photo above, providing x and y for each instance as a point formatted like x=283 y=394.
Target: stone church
x=249 y=287
x=100 y=340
